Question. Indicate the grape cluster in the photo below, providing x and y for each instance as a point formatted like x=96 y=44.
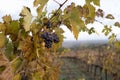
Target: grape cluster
x=49 y=38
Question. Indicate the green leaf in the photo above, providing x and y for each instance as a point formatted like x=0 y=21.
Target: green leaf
x=110 y=16
x=88 y=1
x=107 y=30
x=27 y=18
x=75 y=15
x=16 y=64
x=91 y=11
x=67 y=23
x=96 y=2
x=13 y=27
x=2 y=40
x=76 y=24
x=35 y=27
x=7 y=18
x=85 y=11
x=9 y=50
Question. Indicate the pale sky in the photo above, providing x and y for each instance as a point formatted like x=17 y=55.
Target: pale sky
x=14 y=7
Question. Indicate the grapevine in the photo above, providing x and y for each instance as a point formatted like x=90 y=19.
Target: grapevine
x=30 y=45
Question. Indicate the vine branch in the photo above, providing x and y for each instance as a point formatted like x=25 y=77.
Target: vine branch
x=99 y=22
x=57 y=2
x=58 y=8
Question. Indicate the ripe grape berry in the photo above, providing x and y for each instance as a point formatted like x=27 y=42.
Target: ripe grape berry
x=49 y=38
x=56 y=38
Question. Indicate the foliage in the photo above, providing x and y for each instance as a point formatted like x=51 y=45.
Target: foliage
x=33 y=56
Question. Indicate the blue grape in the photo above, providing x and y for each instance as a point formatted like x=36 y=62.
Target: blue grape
x=56 y=38
x=49 y=38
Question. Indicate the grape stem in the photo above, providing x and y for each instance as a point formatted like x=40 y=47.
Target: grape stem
x=55 y=12
x=57 y=2
x=58 y=8
x=99 y=22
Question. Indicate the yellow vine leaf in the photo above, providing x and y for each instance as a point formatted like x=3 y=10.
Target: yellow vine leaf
x=7 y=18
x=17 y=77
x=36 y=3
x=76 y=22
x=68 y=25
x=2 y=40
x=13 y=27
x=2 y=27
x=27 y=17
x=41 y=4
x=6 y=73
x=16 y=63
x=75 y=15
x=36 y=76
x=35 y=28
x=59 y=32
x=73 y=19
x=39 y=11
x=96 y=2
x=117 y=44
x=91 y=11
x=75 y=30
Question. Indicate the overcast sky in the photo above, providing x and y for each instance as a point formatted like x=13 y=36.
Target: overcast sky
x=14 y=7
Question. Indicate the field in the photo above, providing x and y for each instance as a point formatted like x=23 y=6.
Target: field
x=95 y=60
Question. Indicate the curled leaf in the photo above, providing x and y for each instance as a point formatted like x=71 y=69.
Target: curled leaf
x=91 y=30
x=99 y=13
x=117 y=24
x=7 y=18
x=27 y=17
x=110 y=16
x=13 y=27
